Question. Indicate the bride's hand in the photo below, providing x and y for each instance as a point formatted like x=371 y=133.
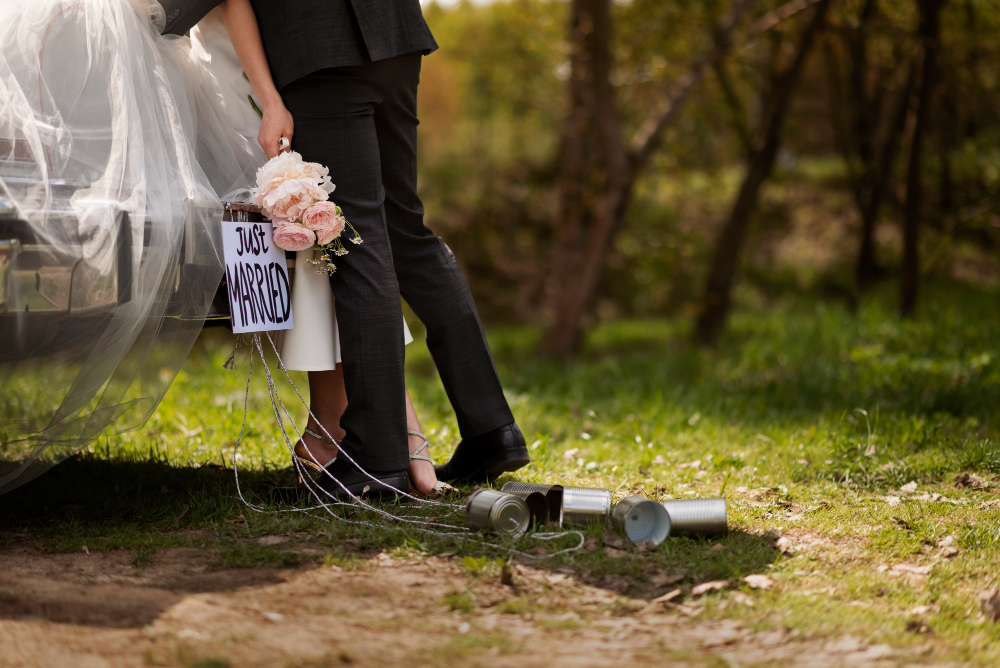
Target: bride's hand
x=276 y=123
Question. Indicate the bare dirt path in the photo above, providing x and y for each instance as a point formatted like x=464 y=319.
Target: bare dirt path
x=178 y=608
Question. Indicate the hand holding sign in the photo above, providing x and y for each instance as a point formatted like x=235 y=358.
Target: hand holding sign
x=260 y=299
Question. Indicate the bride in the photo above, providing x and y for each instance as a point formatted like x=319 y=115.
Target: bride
x=99 y=113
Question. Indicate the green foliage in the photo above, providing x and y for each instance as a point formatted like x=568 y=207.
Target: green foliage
x=493 y=102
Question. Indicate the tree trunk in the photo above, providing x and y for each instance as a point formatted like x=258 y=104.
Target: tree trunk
x=930 y=36
x=867 y=269
x=587 y=176
x=610 y=169
x=760 y=164
x=575 y=162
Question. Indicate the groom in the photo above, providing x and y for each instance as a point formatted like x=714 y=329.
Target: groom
x=348 y=70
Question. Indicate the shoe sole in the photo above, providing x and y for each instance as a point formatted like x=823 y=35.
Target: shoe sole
x=376 y=489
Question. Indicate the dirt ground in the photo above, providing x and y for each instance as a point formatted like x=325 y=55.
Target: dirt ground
x=179 y=608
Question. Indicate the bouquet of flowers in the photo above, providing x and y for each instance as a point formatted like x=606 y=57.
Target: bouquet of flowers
x=295 y=196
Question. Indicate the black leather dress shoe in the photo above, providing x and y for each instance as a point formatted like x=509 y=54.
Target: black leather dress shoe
x=385 y=485
x=481 y=458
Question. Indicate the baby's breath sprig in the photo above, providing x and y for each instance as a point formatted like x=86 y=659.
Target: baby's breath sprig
x=356 y=239
x=334 y=248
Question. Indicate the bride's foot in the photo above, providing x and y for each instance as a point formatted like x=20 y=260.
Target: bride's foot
x=315 y=446
x=422 y=475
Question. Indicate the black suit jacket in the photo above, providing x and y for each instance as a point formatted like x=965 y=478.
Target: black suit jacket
x=182 y=15
x=304 y=36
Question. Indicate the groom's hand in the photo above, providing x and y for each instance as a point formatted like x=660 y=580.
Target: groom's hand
x=276 y=124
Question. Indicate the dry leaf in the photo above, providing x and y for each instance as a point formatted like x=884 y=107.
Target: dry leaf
x=909 y=488
x=669 y=596
x=971 y=480
x=705 y=587
x=589 y=545
x=275 y=617
x=645 y=547
x=759 y=581
x=506 y=574
x=990 y=601
x=613 y=540
x=917 y=626
x=785 y=546
x=272 y=540
x=661 y=580
x=995 y=503
x=924 y=609
x=909 y=570
x=742 y=599
x=615 y=553
x=718 y=547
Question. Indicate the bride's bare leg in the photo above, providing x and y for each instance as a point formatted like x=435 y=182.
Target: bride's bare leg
x=422 y=473
x=327 y=401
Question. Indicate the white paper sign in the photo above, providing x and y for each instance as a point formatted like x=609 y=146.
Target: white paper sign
x=260 y=299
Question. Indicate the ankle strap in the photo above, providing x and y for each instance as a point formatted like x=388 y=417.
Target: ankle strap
x=321 y=437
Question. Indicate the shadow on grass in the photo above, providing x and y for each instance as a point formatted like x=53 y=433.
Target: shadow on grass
x=146 y=506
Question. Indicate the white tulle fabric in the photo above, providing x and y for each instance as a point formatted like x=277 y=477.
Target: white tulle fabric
x=100 y=115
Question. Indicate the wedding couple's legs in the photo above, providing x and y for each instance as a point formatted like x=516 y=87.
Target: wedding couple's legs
x=361 y=122
x=328 y=401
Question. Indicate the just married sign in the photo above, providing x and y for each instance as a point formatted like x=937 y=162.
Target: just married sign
x=260 y=298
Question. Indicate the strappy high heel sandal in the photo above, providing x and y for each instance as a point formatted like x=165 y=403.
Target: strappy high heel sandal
x=440 y=488
x=323 y=438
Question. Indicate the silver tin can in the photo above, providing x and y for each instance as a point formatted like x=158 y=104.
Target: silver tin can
x=538 y=505
x=583 y=505
x=641 y=519
x=497 y=511
x=553 y=496
x=697 y=517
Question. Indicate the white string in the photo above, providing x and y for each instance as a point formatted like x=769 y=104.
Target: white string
x=452 y=532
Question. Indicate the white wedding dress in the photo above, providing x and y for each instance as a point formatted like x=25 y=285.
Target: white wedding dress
x=314 y=343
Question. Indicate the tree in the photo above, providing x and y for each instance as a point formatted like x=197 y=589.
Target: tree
x=868 y=120
x=929 y=34
x=598 y=168
x=774 y=103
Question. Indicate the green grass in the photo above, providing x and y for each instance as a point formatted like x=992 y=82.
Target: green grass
x=824 y=412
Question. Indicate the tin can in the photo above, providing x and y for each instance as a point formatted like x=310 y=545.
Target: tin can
x=641 y=519
x=553 y=496
x=497 y=511
x=538 y=505
x=697 y=517
x=583 y=505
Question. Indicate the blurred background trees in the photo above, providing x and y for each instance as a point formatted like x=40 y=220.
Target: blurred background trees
x=591 y=160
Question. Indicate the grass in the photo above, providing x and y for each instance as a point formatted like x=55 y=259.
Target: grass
x=808 y=416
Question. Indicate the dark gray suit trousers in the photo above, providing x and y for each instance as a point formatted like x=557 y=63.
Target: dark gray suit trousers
x=361 y=122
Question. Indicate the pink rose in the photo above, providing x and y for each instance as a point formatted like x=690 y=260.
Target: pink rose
x=293 y=237
x=323 y=219
x=288 y=200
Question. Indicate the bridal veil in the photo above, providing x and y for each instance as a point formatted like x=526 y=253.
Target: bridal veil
x=114 y=155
